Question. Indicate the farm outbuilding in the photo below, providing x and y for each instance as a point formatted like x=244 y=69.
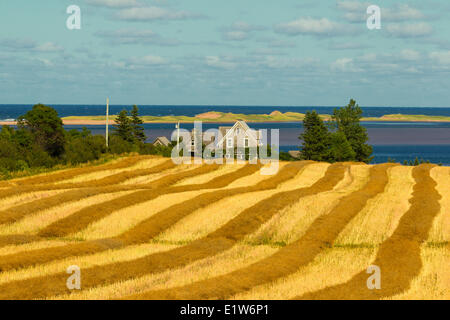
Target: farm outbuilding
x=161 y=141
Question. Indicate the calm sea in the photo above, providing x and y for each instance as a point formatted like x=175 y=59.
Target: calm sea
x=8 y=111
x=397 y=140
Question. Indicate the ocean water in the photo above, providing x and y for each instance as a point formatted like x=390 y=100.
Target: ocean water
x=396 y=140
x=8 y=111
x=429 y=141
x=434 y=153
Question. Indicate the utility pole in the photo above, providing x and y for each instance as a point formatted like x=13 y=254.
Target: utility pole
x=107 y=121
x=178 y=137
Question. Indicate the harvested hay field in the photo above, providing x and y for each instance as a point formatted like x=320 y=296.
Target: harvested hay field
x=144 y=228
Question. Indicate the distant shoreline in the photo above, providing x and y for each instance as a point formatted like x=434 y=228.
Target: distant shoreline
x=221 y=117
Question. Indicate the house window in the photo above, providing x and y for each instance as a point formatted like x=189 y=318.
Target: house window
x=229 y=142
x=238 y=131
x=245 y=142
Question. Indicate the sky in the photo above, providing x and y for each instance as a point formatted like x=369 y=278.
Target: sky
x=233 y=52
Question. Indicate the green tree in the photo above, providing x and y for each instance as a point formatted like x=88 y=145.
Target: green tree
x=83 y=146
x=7 y=133
x=347 y=120
x=316 y=138
x=340 y=149
x=46 y=128
x=117 y=145
x=136 y=125
x=123 y=127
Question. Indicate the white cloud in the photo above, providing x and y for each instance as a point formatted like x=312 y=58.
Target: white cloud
x=311 y=26
x=401 y=12
x=153 y=13
x=410 y=55
x=236 y=35
x=273 y=62
x=45 y=62
x=412 y=70
x=246 y=27
x=217 y=62
x=356 y=12
x=113 y=3
x=119 y=64
x=240 y=31
x=290 y=63
x=137 y=63
x=347 y=46
x=368 y=57
x=442 y=57
x=17 y=44
x=278 y=43
x=148 y=60
x=29 y=45
x=345 y=65
x=352 y=5
x=409 y=30
x=128 y=33
x=48 y=47
x=132 y=36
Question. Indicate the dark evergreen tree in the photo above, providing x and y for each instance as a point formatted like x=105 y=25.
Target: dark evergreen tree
x=347 y=120
x=123 y=127
x=136 y=125
x=316 y=138
x=340 y=148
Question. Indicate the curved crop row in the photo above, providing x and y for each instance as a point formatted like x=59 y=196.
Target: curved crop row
x=220 y=240
x=153 y=230
x=82 y=218
x=288 y=259
x=71 y=173
x=399 y=256
x=16 y=213
x=28 y=258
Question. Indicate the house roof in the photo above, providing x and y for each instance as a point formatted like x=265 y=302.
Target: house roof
x=163 y=140
x=254 y=135
x=294 y=153
x=223 y=130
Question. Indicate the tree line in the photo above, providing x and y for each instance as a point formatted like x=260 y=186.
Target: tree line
x=40 y=142
x=343 y=138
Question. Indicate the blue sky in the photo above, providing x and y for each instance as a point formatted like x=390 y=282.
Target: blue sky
x=232 y=52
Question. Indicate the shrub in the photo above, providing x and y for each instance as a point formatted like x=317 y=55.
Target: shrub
x=83 y=146
x=117 y=145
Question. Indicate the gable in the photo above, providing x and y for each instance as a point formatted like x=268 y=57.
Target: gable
x=162 y=141
x=232 y=132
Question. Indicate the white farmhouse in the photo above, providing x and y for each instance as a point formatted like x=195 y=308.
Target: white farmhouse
x=238 y=136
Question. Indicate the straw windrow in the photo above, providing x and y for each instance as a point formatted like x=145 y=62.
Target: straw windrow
x=398 y=257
